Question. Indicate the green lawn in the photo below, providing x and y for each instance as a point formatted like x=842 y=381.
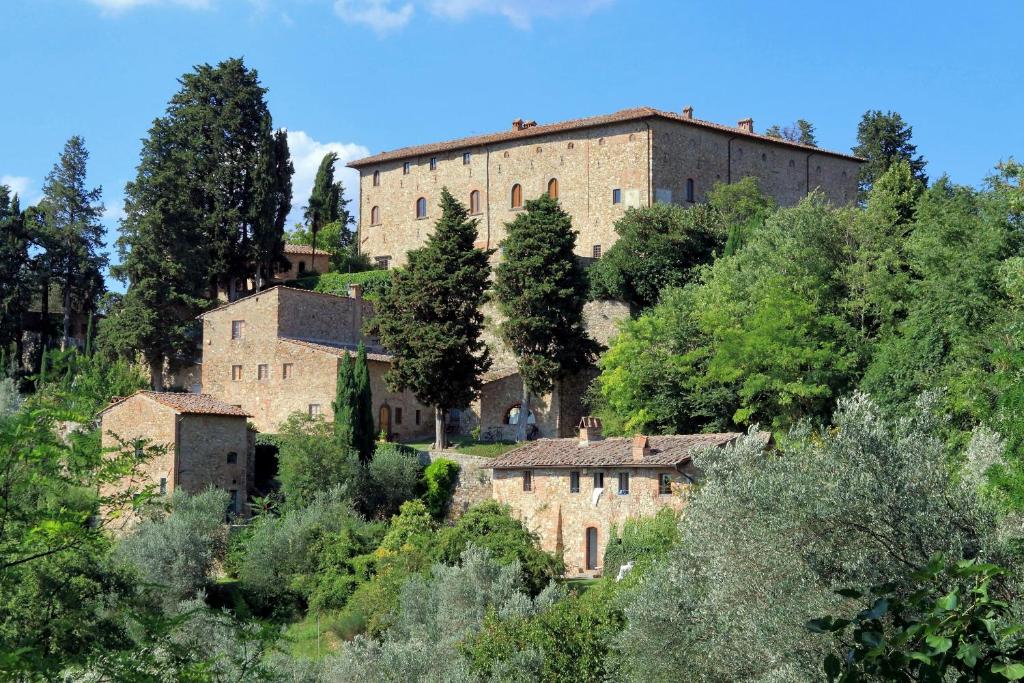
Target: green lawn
x=332 y=630
x=466 y=444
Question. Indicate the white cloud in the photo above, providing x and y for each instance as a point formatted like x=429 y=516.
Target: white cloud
x=114 y=211
x=307 y=154
x=118 y=6
x=520 y=12
x=21 y=186
x=380 y=15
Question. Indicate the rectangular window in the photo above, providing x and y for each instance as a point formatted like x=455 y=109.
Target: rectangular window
x=466 y=156
x=383 y=262
x=232 y=458
x=417 y=417
x=237 y=329
x=665 y=484
x=598 y=480
x=262 y=371
x=286 y=370
x=433 y=163
x=597 y=251
x=405 y=168
x=314 y=410
x=574 y=482
x=139 y=451
x=623 y=483
x=236 y=373
x=616 y=196
x=527 y=480
x=163 y=486
x=398 y=416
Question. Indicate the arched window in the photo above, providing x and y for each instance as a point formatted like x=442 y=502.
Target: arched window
x=689 y=189
x=375 y=216
x=376 y=178
x=474 y=202
x=512 y=416
x=553 y=188
x=421 y=207
x=517 y=196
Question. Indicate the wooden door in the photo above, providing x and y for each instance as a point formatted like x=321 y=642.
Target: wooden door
x=591 y=548
x=384 y=421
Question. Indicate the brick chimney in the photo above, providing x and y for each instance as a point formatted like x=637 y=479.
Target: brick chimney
x=517 y=124
x=590 y=430
x=747 y=125
x=355 y=290
x=641 y=447
x=688 y=112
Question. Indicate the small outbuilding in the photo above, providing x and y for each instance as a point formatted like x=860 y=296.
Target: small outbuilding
x=205 y=442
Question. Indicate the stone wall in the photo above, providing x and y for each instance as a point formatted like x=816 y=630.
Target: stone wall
x=204 y=442
x=321 y=264
x=138 y=417
x=473 y=485
x=561 y=518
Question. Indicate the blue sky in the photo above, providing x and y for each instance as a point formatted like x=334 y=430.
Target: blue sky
x=360 y=76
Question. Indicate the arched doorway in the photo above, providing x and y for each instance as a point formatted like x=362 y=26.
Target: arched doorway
x=591 y=548
x=384 y=421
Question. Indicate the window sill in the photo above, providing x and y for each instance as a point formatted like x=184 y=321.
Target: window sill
x=517 y=208
x=422 y=218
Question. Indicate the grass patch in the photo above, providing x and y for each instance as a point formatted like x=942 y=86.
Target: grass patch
x=307 y=639
x=468 y=446
x=580 y=586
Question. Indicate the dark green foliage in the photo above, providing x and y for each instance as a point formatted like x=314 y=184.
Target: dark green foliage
x=393 y=477
x=882 y=140
x=344 y=404
x=364 y=435
x=956 y=624
x=374 y=283
x=328 y=206
x=440 y=478
x=643 y=540
x=491 y=526
x=541 y=288
x=430 y=318
x=311 y=460
x=78 y=386
x=801 y=131
x=15 y=286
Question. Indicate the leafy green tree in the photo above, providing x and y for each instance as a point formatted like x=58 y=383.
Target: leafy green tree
x=882 y=140
x=431 y=319
x=393 y=475
x=311 y=460
x=642 y=542
x=659 y=246
x=74 y=234
x=801 y=131
x=541 y=289
x=327 y=204
x=440 y=477
x=743 y=208
x=491 y=526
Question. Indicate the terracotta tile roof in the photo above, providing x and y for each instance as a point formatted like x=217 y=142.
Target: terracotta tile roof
x=338 y=349
x=635 y=114
x=188 y=404
x=303 y=249
x=666 y=451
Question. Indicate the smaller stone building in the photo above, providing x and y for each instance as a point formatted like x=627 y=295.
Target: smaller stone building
x=571 y=492
x=302 y=261
x=205 y=443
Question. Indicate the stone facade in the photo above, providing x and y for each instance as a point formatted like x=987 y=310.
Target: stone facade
x=204 y=443
x=301 y=261
x=536 y=481
x=277 y=352
x=601 y=166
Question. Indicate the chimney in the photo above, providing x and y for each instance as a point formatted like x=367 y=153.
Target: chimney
x=590 y=430
x=641 y=447
x=355 y=290
x=747 y=125
x=688 y=112
x=517 y=124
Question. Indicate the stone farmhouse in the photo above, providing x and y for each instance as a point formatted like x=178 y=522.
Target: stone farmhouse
x=302 y=261
x=596 y=167
x=277 y=352
x=205 y=442
x=573 y=491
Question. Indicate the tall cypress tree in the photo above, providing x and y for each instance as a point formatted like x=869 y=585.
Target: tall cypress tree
x=363 y=436
x=323 y=206
x=344 y=401
x=430 y=317
x=74 y=241
x=14 y=264
x=541 y=289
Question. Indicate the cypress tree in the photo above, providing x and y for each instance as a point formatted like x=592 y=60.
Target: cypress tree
x=343 y=403
x=430 y=317
x=363 y=436
x=324 y=199
x=541 y=289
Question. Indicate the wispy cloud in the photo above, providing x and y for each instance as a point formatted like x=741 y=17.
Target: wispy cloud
x=307 y=154
x=118 y=6
x=383 y=16
x=520 y=12
x=21 y=186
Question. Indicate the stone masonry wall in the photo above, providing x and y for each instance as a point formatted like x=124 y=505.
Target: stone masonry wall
x=204 y=442
x=138 y=417
x=473 y=485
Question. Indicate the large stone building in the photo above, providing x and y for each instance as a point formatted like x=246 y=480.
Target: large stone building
x=203 y=442
x=596 y=167
x=573 y=491
x=277 y=352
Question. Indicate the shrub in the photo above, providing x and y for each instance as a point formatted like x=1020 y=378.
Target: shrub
x=310 y=460
x=374 y=282
x=440 y=479
x=643 y=541
x=491 y=526
x=393 y=476
x=175 y=552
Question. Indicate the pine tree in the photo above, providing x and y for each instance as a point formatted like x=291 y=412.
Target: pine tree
x=882 y=140
x=801 y=131
x=74 y=233
x=431 y=320
x=363 y=437
x=14 y=264
x=541 y=290
x=344 y=401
